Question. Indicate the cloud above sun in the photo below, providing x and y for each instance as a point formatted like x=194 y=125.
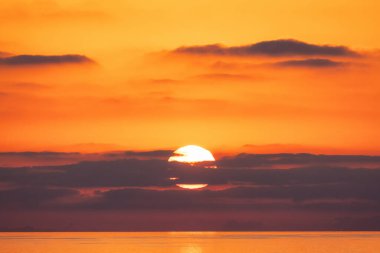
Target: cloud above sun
x=310 y=63
x=30 y=60
x=256 y=83
x=274 y=48
x=288 y=53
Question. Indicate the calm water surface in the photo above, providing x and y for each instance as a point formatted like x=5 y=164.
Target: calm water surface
x=192 y=242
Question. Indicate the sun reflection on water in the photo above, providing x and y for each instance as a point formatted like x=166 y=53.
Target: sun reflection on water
x=191 y=248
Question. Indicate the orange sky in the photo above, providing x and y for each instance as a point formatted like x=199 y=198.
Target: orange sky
x=138 y=94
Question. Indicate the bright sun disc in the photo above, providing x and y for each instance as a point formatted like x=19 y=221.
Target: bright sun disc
x=192 y=186
x=194 y=156
x=191 y=154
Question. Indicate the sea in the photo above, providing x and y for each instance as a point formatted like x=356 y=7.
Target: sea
x=189 y=242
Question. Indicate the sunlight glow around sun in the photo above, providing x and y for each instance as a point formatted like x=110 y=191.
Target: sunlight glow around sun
x=191 y=154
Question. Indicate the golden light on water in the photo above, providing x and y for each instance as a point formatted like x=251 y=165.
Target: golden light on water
x=191 y=248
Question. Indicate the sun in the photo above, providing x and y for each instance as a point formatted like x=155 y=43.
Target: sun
x=192 y=156
x=192 y=186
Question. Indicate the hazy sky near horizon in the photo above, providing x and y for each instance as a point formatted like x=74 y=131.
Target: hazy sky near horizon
x=95 y=75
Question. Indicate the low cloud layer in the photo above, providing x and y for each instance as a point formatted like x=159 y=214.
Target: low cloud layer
x=271 y=48
x=235 y=171
x=322 y=187
x=21 y=159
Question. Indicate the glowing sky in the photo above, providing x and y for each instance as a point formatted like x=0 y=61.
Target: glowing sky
x=100 y=94
x=117 y=81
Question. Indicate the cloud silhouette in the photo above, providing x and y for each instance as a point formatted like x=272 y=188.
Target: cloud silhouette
x=310 y=63
x=282 y=47
x=304 y=159
x=358 y=223
x=20 y=159
x=312 y=186
x=32 y=197
x=21 y=60
x=243 y=169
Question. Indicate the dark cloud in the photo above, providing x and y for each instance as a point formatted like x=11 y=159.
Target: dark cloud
x=304 y=159
x=314 y=187
x=21 y=60
x=241 y=169
x=19 y=159
x=324 y=197
x=283 y=47
x=310 y=63
x=32 y=197
x=358 y=223
x=130 y=172
x=308 y=192
x=150 y=154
